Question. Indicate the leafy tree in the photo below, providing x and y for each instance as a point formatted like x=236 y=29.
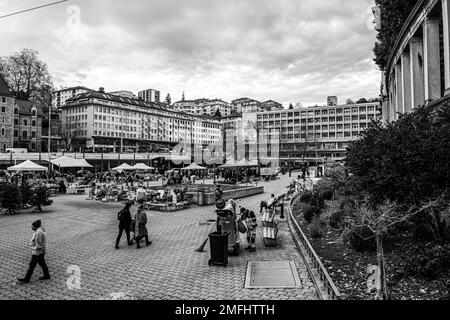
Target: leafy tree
x=69 y=133
x=362 y=100
x=168 y=99
x=26 y=74
x=393 y=15
x=349 y=101
x=405 y=161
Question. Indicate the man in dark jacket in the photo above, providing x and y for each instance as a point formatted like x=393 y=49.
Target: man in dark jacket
x=124 y=217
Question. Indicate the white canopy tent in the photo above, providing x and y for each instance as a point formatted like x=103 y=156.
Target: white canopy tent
x=27 y=166
x=123 y=166
x=67 y=162
x=141 y=166
x=236 y=164
x=194 y=166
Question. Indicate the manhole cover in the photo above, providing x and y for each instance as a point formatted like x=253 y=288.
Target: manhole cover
x=272 y=274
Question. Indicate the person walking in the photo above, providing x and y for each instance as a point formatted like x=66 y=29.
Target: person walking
x=218 y=193
x=38 y=246
x=251 y=223
x=141 y=231
x=124 y=217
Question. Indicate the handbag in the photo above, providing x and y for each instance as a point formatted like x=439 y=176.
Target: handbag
x=241 y=227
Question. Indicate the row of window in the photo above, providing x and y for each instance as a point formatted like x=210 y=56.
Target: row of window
x=317 y=113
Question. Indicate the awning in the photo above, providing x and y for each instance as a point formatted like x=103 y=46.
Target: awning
x=67 y=162
x=27 y=166
x=194 y=166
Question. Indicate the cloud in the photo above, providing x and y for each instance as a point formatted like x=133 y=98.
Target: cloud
x=286 y=50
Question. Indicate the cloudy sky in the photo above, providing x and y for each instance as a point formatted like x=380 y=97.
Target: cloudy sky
x=297 y=51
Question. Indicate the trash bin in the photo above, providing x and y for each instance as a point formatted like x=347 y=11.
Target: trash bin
x=201 y=197
x=218 y=243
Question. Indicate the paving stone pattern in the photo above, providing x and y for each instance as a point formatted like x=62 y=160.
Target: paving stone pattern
x=82 y=233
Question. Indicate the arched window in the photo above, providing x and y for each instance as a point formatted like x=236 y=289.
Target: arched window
x=3 y=131
x=16 y=110
x=25 y=122
x=33 y=112
x=33 y=123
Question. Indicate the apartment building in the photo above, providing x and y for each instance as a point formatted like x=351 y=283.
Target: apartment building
x=246 y=105
x=61 y=96
x=149 y=95
x=101 y=121
x=203 y=106
x=318 y=133
x=6 y=115
x=28 y=117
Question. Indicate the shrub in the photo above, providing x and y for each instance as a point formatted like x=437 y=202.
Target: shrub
x=336 y=219
x=10 y=197
x=361 y=238
x=25 y=192
x=306 y=197
x=327 y=194
x=316 y=229
x=314 y=201
x=429 y=262
x=348 y=205
x=424 y=232
x=309 y=212
x=40 y=198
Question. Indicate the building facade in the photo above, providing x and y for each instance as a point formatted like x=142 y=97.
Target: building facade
x=28 y=125
x=124 y=93
x=99 y=121
x=317 y=134
x=60 y=97
x=246 y=105
x=6 y=116
x=271 y=105
x=418 y=68
x=149 y=95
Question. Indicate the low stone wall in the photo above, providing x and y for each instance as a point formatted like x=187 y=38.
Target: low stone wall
x=230 y=194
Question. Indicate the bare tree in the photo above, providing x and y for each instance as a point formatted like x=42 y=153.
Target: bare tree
x=26 y=74
x=69 y=132
x=381 y=220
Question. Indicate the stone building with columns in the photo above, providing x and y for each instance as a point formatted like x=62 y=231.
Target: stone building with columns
x=418 y=68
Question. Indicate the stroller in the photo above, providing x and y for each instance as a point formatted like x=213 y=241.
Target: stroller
x=227 y=222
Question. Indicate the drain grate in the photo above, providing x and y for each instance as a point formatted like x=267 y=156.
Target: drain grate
x=272 y=274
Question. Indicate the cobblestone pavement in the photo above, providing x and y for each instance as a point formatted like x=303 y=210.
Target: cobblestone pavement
x=82 y=233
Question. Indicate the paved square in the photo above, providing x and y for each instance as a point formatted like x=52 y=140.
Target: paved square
x=82 y=233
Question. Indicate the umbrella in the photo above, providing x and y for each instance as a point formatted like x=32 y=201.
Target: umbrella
x=194 y=166
x=123 y=166
x=27 y=166
x=67 y=162
x=142 y=166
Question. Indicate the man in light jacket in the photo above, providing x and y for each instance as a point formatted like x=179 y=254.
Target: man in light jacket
x=38 y=252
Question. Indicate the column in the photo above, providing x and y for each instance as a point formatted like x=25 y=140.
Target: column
x=399 y=90
x=392 y=98
x=432 y=62
x=417 y=75
x=446 y=25
x=406 y=81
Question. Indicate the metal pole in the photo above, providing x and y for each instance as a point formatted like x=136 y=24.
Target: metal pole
x=49 y=139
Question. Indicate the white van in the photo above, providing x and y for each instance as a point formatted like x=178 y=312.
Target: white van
x=17 y=150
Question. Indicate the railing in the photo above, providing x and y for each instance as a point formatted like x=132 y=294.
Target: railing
x=324 y=277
